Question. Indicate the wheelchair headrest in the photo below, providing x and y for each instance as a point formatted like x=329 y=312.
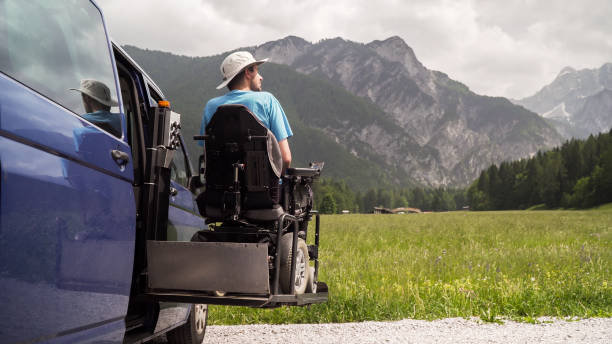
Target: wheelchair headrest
x=236 y=123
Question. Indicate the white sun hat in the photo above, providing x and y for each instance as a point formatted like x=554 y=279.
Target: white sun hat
x=234 y=63
x=97 y=90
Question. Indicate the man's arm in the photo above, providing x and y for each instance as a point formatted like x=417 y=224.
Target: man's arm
x=285 y=154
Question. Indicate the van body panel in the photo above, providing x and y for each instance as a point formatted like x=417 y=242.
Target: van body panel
x=65 y=244
x=67 y=207
x=67 y=222
x=109 y=332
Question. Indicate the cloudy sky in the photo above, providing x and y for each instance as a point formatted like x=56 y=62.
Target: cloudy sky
x=507 y=48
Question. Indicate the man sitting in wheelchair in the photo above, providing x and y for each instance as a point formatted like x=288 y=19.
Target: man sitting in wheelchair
x=252 y=195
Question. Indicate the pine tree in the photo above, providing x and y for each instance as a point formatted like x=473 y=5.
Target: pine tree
x=328 y=205
x=369 y=201
x=602 y=178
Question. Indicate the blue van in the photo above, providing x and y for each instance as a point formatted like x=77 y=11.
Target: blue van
x=73 y=186
x=100 y=231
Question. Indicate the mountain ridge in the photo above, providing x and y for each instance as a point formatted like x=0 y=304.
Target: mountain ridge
x=436 y=111
x=568 y=101
x=188 y=95
x=416 y=124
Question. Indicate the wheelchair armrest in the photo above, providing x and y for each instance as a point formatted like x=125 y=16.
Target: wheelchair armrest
x=302 y=172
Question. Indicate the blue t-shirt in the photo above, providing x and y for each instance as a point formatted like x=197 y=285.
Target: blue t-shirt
x=262 y=104
x=108 y=121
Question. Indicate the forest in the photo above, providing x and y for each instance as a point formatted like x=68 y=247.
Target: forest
x=332 y=196
x=576 y=175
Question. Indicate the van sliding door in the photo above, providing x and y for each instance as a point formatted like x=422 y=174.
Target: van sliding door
x=67 y=212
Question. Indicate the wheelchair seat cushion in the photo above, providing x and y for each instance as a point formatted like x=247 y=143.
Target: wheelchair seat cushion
x=264 y=215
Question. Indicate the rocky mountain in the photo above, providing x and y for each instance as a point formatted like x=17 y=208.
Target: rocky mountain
x=310 y=104
x=577 y=102
x=372 y=111
x=464 y=132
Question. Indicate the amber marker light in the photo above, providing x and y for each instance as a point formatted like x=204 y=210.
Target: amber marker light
x=164 y=103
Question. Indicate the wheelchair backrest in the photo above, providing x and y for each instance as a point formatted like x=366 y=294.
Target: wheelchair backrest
x=236 y=136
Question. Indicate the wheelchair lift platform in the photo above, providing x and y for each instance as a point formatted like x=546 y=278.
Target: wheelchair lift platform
x=254 y=252
x=255 y=301
x=192 y=272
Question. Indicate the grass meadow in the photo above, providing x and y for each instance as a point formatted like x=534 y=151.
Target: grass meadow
x=494 y=265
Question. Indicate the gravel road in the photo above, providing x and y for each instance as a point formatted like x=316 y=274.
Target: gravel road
x=454 y=330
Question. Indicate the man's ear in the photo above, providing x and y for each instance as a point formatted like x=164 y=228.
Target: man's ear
x=249 y=72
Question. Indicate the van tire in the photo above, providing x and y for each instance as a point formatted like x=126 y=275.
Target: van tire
x=191 y=332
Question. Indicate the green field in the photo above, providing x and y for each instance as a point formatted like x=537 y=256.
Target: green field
x=494 y=265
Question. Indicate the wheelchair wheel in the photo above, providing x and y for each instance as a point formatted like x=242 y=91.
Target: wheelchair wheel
x=301 y=265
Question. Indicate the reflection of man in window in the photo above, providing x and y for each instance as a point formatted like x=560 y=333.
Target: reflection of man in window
x=98 y=102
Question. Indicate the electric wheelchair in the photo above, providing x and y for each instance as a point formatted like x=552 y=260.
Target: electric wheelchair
x=247 y=201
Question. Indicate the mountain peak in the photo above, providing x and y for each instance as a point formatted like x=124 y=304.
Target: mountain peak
x=397 y=40
x=606 y=67
x=284 y=50
x=287 y=41
x=295 y=40
x=566 y=70
x=585 y=98
x=394 y=42
x=395 y=49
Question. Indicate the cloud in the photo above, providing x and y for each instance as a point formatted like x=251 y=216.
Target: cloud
x=507 y=48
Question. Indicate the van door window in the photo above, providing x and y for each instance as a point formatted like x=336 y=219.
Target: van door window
x=59 y=49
